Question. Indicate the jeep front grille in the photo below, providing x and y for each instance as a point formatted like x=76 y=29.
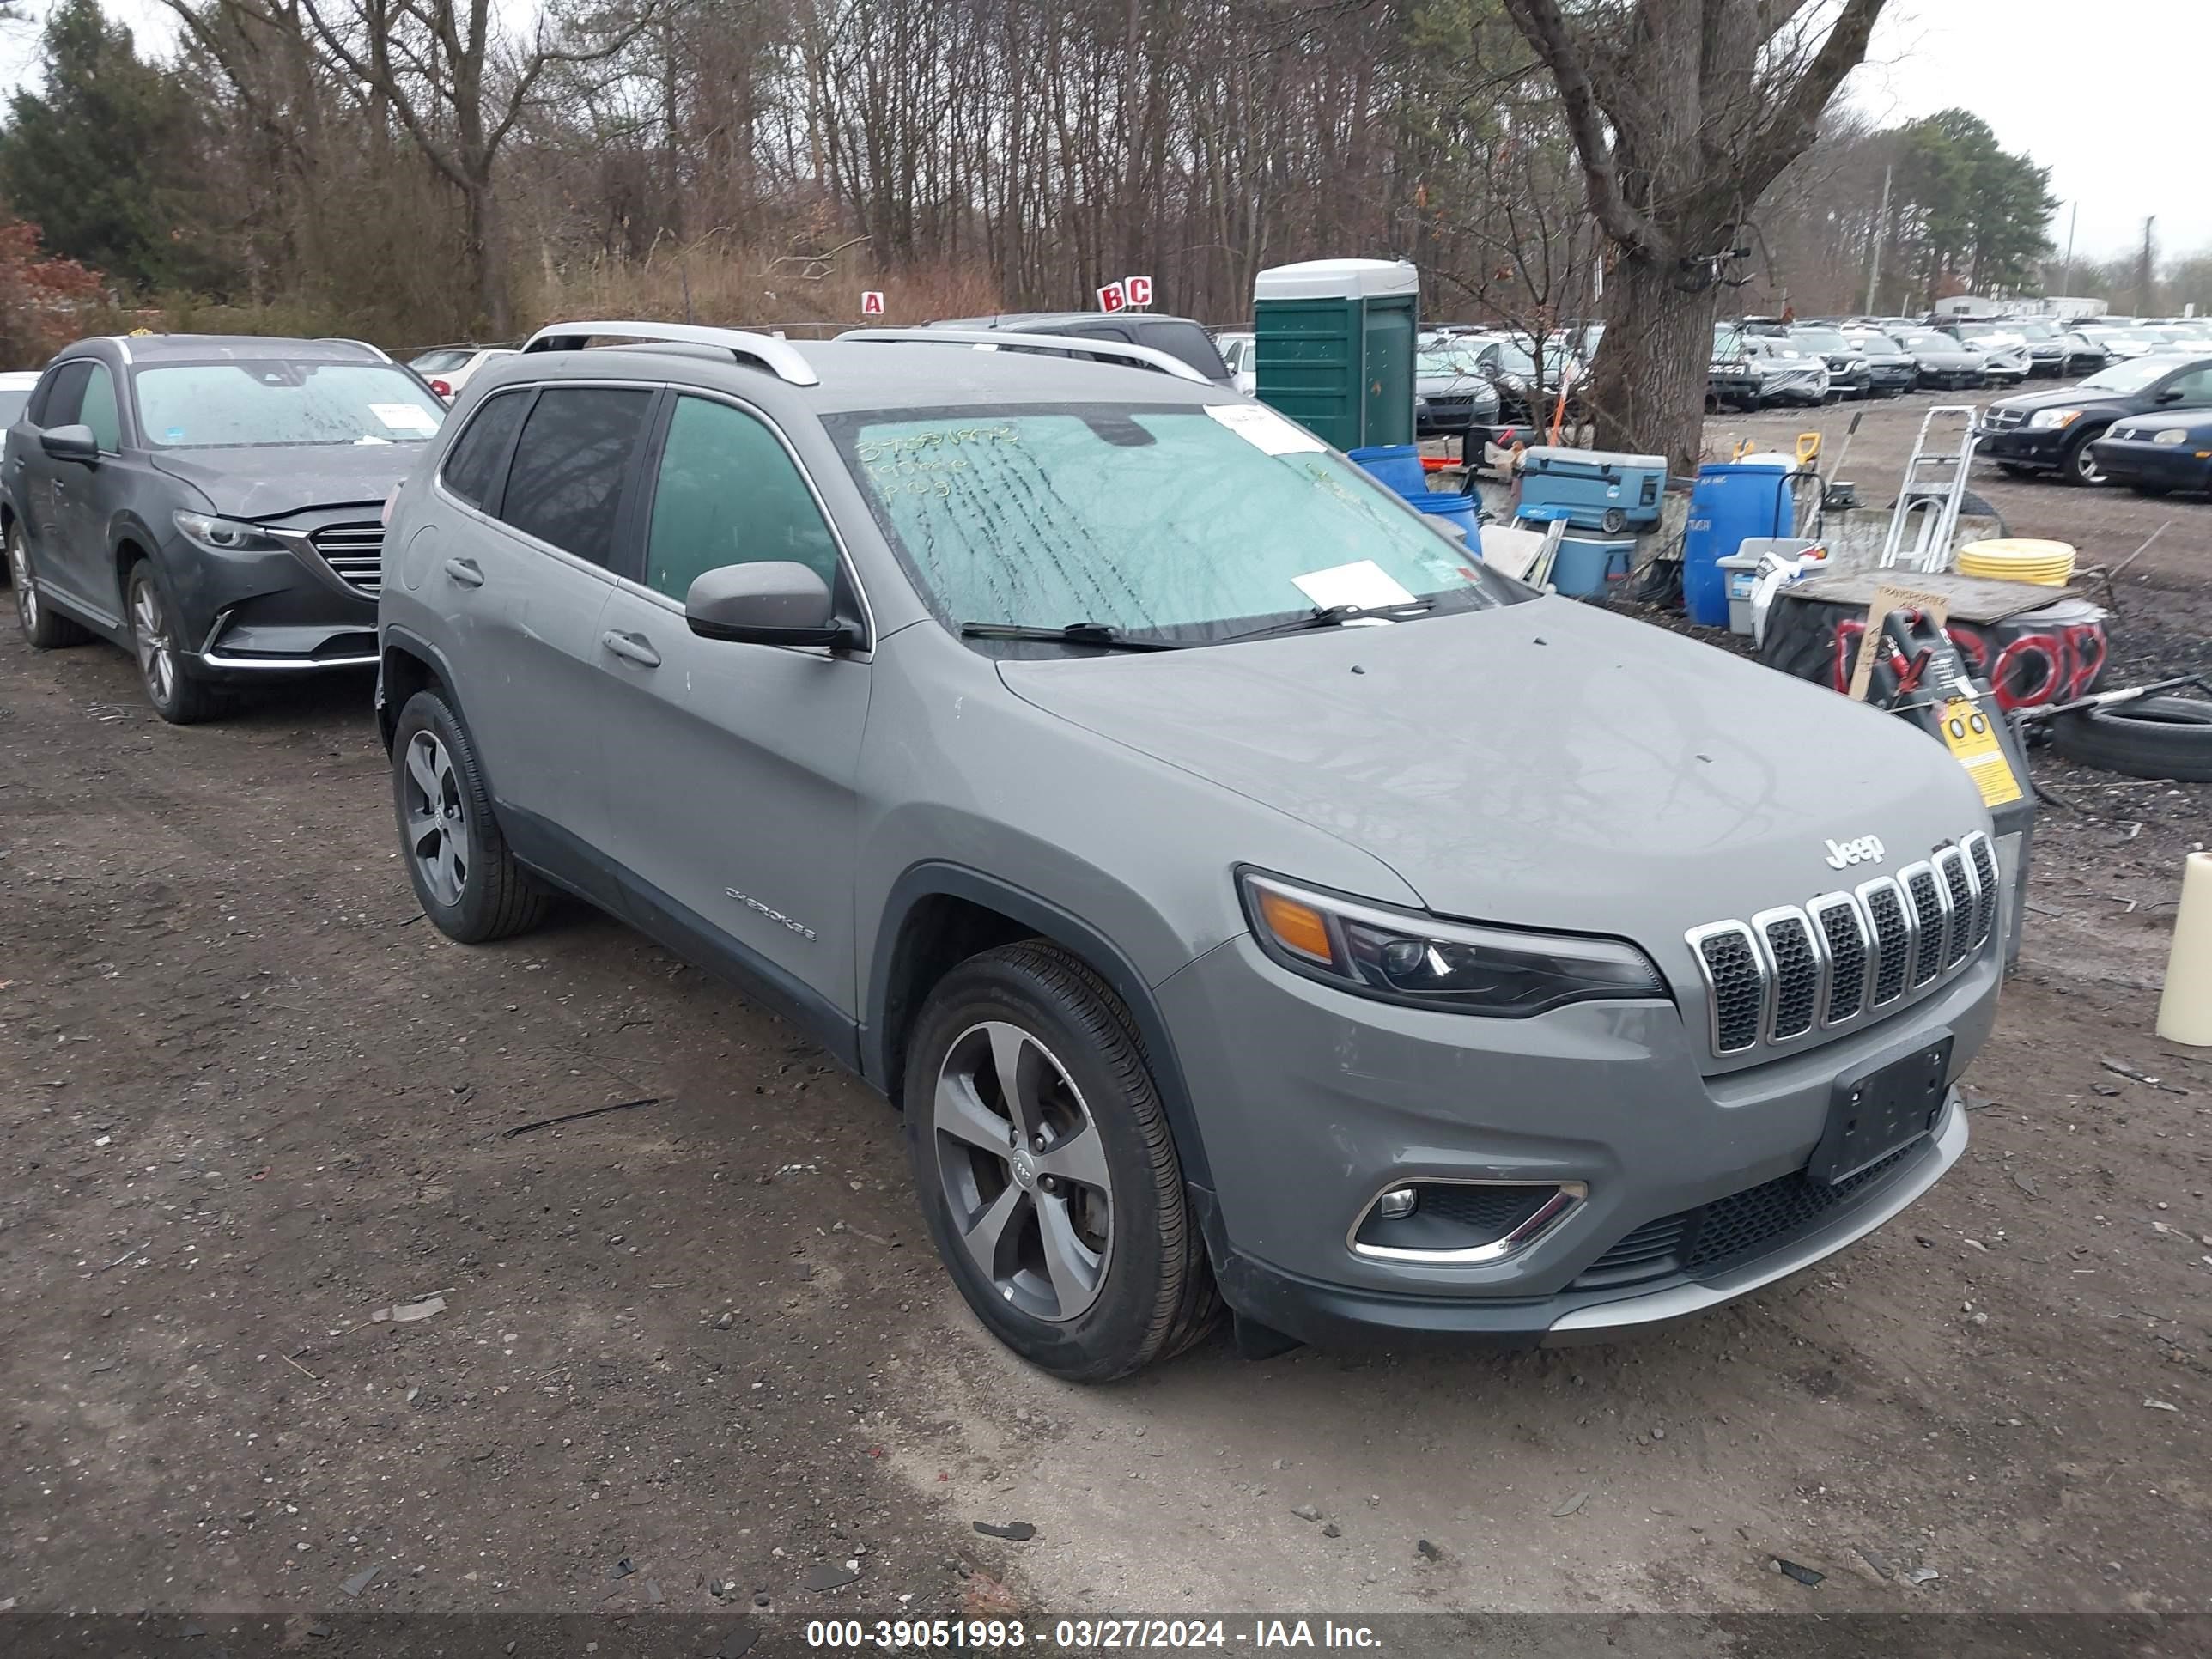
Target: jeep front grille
x=354 y=553
x=1845 y=957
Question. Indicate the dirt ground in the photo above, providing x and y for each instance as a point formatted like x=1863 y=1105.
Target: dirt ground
x=691 y=1352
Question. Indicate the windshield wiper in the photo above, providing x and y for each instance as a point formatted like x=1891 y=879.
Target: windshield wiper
x=1328 y=616
x=1101 y=634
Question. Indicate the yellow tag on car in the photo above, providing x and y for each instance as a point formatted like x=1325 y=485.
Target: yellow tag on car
x=1967 y=734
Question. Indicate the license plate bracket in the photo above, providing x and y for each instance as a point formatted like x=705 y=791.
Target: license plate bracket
x=1880 y=1109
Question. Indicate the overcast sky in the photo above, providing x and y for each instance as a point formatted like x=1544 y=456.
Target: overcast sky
x=2111 y=97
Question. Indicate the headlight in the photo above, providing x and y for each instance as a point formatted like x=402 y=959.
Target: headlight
x=1402 y=957
x=227 y=535
x=2046 y=420
x=2172 y=434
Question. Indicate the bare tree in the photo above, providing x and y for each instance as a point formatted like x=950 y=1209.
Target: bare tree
x=445 y=72
x=1683 y=112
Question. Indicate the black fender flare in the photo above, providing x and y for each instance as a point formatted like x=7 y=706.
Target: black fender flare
x=932 y=879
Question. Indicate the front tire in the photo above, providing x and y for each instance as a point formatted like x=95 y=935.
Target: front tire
x=2081 y=466
x=1046 y=1169
x=177 y=697
x=44 y=627
x=465 y=879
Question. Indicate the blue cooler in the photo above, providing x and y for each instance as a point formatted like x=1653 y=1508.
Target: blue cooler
x=1601 y=489
x=1589 y=567
x=1456 y=509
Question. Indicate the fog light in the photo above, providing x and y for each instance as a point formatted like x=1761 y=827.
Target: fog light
x=1398 y=1201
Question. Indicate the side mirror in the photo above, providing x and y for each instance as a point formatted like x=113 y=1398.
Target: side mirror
x=70 y=443
x=769 y=603
x=2171 y=395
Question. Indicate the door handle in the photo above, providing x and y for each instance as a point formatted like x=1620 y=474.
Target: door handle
x=465 y=572
x=631 y=648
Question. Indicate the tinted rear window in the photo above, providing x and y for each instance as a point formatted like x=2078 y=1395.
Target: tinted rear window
x=565 y=487
x=473 y=468
x=1186 y=341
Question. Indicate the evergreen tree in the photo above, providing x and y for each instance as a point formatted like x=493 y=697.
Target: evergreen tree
x=102 y=157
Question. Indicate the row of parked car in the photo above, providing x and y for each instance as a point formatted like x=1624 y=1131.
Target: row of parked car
x=1032 y=732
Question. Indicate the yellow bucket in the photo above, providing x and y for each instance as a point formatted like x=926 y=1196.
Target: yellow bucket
x=2019 y=559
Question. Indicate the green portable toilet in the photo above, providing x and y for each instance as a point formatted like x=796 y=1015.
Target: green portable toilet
x=1334 y=347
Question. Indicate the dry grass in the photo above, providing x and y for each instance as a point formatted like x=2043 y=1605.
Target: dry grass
x=714 y=281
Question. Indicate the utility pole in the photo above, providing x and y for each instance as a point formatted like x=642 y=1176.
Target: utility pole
x=1881 y=232
x=2073 y=221
x=2146 y=269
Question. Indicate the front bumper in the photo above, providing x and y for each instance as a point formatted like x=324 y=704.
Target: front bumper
x=2022 y=446
x=286 y=610
x=1310 y=1108
x=2163 y=466
x=1893 y=377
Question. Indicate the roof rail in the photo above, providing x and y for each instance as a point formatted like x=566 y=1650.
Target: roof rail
x=340 y=339
x=778 y=356
x=980 y=339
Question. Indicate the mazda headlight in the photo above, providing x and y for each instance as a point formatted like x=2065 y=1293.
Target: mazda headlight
x=1403 y=956
x=2047 y=419
x=227 y=535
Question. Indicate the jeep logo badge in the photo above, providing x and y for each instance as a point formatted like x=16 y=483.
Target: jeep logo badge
x=1867 y=849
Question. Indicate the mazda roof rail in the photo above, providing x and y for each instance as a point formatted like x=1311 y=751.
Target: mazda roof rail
x=778 y=356
x=979 y=339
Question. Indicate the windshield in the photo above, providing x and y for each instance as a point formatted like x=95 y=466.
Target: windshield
x=1144 y=519
x=1876 y=343
x=246 y=403
x=1509 y=358
x=1927 y=341
x=439 y=362
x=1821 y=339
x=12 y=403
x=2132 y=374
x=1727 y=340
x=2036 y=328
x=1445 y=357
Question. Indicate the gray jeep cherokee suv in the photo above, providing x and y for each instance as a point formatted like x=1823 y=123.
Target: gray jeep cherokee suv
x=1247 y=896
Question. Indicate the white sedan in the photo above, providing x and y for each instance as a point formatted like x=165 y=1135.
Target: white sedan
x=448 y=367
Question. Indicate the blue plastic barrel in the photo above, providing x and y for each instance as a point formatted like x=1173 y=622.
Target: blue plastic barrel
x=1459 y=509
x=1731 y=500
x=1398 y=466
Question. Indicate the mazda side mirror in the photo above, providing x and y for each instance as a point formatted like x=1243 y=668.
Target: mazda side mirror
x=770 y=603
x=70 y=443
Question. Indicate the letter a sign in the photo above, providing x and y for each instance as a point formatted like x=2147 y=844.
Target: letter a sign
x=872 y=303
x=1115 y=296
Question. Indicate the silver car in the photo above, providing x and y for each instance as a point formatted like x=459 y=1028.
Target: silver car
x=1247 y=897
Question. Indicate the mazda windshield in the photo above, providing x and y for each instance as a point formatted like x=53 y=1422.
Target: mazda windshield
x=246 y=403
x=1177 y=524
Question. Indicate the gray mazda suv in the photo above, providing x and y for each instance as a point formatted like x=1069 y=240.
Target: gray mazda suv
x=212 y=503
x=1247 y=896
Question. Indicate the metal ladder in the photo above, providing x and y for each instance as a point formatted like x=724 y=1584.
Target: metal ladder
x=1929 y=496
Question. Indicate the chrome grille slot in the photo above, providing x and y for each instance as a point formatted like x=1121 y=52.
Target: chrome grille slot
x=1800 y=971
x=1843 y=934
x=1893 y=932
x=1736 y=985
x=354 y=553
x=1924 y=895
x=1958 y=888
x=1986 y=880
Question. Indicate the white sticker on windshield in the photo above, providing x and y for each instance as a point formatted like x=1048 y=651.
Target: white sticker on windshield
x=1365 y=583
x=1265 y=430
x=404 y=417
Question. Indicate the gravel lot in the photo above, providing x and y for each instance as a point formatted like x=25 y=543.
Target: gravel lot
x=248 y=1099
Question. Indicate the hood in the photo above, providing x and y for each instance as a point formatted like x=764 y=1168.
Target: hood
x=270 y=481
x=2140 y=429
x=2066 y=397
x=1546 y=764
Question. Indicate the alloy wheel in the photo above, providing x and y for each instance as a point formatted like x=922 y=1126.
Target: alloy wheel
x=19 y=574
x=2085 y=464
x=150 y=637
x=437 y=818
x=1024 y=1171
